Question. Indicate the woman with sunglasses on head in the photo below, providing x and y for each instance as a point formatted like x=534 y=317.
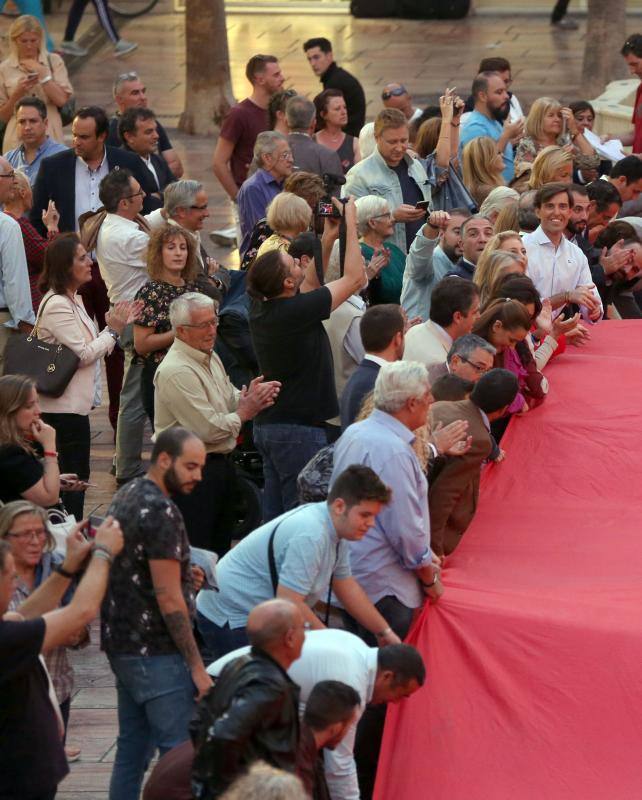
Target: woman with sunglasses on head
x=332 y=117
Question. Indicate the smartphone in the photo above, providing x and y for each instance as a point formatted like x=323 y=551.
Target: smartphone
x=94 y=523
x=424 y=205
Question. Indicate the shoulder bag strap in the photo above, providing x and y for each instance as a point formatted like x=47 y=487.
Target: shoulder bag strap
x=34 y=330
x=274 y=575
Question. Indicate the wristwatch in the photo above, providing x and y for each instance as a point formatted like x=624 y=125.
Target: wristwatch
x=112 y=333
x=62 y=571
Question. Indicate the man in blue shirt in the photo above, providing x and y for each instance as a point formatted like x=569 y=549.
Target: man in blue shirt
x=31 y=129
x=491 y=104
x=394 y=563
x=297 y=556
x=274 y=161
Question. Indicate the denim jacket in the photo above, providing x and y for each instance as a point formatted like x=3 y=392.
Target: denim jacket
x=374 y=176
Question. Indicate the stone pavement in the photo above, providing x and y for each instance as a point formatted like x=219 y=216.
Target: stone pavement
x=426 y=56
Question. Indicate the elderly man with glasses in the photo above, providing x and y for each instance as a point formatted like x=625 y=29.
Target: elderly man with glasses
x=193 y=391
x=274 y=161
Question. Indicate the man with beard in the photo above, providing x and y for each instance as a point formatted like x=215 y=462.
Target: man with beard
x=146 y=617
x=193 y=391
x=491 y=104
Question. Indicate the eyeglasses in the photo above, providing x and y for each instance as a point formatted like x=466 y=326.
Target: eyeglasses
x=141 y=193
x=287 y=154
x=199 y=208
x=387 y=215
x=128 y=76
x=27 y=536
x=203 y=326
x=11 y=175
x=479 y=368
x=398 y=92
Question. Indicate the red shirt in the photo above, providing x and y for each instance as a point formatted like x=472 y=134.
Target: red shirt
x=637 y=121
x=241 y=127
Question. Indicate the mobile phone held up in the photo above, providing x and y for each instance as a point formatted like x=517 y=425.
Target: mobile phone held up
x=424 y=205
x=94 y=523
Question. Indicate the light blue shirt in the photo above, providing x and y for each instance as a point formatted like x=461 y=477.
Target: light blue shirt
x=383 y=562
x=15 y=293
x=16 y=157
x=424 y=269
x=307 y=553
x=477 y=125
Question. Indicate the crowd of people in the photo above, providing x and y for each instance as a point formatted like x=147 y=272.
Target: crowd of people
x=403 y=284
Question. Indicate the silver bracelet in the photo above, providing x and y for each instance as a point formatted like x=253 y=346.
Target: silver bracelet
x=103 y=556
x=46 y=80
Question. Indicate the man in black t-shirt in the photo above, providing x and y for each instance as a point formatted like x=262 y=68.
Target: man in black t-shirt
x=32 y=757
x=146 y=618
x=291 y=345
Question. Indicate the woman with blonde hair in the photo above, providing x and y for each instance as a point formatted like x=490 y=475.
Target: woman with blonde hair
x=497 y=200
x=493 y=265
x=287 y=215
x=30 y=70
x=172 y=268
x=552 y=165
x=482 y=168
x=550 y=123
x=508 y=218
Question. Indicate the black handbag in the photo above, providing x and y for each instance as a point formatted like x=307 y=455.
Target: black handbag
x=52 y=366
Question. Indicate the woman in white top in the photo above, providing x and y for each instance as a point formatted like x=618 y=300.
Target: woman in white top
x=30 y=71
x=62 y=318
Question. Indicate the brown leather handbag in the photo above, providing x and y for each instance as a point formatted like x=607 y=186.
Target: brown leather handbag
x=52 y=366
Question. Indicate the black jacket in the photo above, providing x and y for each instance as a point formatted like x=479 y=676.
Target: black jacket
x=338 y=78
x=250 y=714
x=57 y=181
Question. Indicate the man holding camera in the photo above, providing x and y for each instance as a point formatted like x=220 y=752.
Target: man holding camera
x=398 y=178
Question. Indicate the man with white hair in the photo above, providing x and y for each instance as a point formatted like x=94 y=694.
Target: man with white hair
x=194 y=391
x=273 y=161
x=394 y=563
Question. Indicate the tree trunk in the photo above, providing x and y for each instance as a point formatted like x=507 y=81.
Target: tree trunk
x=208 y=88
x=605 y=35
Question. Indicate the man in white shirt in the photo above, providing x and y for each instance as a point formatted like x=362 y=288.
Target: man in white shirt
x=121 y=252
x=16 y=310
x=557 y=267
x=384 y=675
x=453 y=312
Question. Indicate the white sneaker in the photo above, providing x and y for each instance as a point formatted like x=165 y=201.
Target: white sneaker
x=122 y=47
x=72 y=49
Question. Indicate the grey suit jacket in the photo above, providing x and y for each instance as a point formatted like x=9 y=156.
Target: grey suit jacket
x=309 y=156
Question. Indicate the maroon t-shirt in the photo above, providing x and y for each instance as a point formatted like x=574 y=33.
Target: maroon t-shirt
x=637 y=121
x=241 y=126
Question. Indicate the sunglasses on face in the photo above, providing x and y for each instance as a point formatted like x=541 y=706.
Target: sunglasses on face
x=388 y=93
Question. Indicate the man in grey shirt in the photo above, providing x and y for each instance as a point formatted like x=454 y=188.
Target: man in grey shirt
x=309 y=156
x=297 y=556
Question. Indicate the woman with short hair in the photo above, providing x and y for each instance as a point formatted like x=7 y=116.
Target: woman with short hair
x=332 y=117
x=385 y=262
x=552 y=165
x=288 y=216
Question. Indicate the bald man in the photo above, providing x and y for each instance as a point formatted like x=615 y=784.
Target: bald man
x=252 y=712
x=395 y=95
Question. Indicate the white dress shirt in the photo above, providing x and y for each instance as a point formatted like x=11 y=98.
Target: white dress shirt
x=121 y=252
x=15 y=294
x=148 y=163
x=555 y=270
x=87 y=185
x=331 y=655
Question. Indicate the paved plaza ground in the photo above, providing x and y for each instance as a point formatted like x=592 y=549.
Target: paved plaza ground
x=426 y=56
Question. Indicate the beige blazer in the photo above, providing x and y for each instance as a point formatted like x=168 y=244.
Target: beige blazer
x=65 y=321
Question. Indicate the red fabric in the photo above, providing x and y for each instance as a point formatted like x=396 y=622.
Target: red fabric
x=534 y=654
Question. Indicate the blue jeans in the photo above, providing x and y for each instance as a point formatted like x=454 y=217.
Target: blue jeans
x=220 y=641
x=285 y=450
x=156 y=700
